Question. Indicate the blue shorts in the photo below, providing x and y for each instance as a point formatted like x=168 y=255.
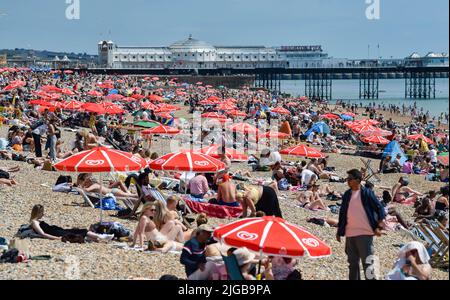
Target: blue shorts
x=233 y=204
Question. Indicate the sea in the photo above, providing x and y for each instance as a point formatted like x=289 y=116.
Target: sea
x=392 y=92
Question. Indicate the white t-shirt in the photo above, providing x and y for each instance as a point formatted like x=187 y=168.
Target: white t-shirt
x=433 y=155
x=307 y=175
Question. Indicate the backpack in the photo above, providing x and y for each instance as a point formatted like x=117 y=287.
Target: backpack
x=63 y=179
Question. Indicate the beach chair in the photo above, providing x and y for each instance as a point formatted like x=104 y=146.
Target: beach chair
x=233 y=269
x=370 y=173
x=436 y=237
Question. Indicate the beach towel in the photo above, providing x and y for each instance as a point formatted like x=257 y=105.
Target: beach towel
x=213 y=210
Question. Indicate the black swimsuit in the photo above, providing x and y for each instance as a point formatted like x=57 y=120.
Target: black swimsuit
x=59 y=232
x=269 y=203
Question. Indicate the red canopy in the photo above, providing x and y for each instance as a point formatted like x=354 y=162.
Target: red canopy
x=161 y=129
x=330 y=116
x=14 y=85
x=68 y=92
x=101 y=159
x=51 y=89
x=280 y=110
x=72 y=105
x=213 y=115
x=272 y=236
x=236 y=113
x=215 y=151
x=302 y=150
x=274 y=134
x=115 y=97
x=420 y=136
x=187 y=161
x=95 y=94
x=105 y=86
x=149 y=106
x=155 y=98
x=375 y=139
x=244 y=128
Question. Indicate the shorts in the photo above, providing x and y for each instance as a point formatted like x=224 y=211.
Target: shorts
x=221 y=202
x=115 y=191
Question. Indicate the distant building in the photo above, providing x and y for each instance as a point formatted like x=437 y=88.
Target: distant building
x=195 y=54
x=430 y=60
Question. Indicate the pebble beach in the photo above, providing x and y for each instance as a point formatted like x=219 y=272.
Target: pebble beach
x=105 y=261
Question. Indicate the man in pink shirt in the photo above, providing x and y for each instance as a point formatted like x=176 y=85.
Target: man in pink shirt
x=360 y=218
x=198 y=186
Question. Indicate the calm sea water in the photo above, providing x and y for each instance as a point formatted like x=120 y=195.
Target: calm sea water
x=348 y=90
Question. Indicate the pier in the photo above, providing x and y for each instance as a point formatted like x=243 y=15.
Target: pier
x=420 y=82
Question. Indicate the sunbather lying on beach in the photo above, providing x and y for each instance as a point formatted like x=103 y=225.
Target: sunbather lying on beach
x=86 y=182
x=57 y=233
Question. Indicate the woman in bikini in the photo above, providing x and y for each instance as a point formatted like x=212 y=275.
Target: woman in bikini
x=167 y=224
x=146 y=228
x=403 y=194
x=310 y=199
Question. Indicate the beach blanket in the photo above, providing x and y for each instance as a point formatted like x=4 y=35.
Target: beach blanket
x=213 y=210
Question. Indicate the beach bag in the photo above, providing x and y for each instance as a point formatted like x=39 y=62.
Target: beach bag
x=63 y=179
x=25 y=231
x=13 y=256
x=108 y=203
x=334 y=209
x=283 y=184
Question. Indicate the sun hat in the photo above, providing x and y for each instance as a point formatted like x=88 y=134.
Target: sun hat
x=243 y=256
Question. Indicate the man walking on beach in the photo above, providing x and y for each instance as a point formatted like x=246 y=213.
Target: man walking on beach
x=359 y=219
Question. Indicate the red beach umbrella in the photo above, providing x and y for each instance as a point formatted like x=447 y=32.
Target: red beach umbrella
x=215 y=151
x=187 y=161
x=149 y=106
x=330 y=116
x=236 y=113
x=244 y=128
x=213 y=115
x=375 y=139
x=161 y=129
x=101 y=159
x=272 y=236
x=68 y=92
x=95 y=94
x=280 y=110
x=155 y=98
x=304 y=151
x=274 y=135
x=416 y=137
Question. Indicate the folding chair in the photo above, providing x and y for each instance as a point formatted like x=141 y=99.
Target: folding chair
x=233 y=269
x=370 y=173
x=436 y=238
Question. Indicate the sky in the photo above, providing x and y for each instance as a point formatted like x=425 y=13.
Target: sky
x=340 y=26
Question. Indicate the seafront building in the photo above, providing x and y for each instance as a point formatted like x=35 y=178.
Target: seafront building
x=195 y=54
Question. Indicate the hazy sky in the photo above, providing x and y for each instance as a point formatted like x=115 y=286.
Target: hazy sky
x=340 y=26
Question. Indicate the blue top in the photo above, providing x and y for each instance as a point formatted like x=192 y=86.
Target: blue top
x=192 y=255
x=373 y=207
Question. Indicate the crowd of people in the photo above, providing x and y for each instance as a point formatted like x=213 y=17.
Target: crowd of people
x=35 y=136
